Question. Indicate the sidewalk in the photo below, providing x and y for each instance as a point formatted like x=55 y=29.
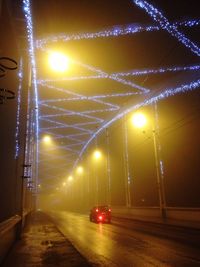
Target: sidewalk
x=42 y=245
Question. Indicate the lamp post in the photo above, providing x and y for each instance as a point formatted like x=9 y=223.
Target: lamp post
x=139 y=120
x=108 y=168
x=97 y=156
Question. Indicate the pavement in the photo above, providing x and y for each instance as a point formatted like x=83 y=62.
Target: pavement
x=43 y=245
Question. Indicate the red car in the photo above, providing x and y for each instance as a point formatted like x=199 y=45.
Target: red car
x=100 y=214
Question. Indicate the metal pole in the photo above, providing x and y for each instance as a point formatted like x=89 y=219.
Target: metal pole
x=162 y=201
x=108 y=169
x=127 y=173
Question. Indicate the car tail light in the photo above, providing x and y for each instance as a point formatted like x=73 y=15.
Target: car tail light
x=100 y=218
x=97 y=210
x=109 y=210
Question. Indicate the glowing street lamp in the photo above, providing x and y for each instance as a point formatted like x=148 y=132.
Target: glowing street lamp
x=97 y=154
x=139 y=120
x=70 y=178
x=58 y=62
x=47 y=139
x=80 y=170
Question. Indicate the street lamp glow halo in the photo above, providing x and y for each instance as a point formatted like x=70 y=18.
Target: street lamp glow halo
x=58 y=62
x=97 y=154
x=47 y=139
x=139 y=120
x=80 y=170
x=70 y=178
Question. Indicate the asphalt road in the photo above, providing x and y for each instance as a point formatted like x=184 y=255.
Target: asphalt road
x=126 y=243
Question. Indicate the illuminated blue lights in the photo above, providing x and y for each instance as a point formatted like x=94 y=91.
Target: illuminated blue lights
x=113 y=77
x=166 y=25
x=85 y=98
x=29 y=27
x=111 y=32
x=117 y=74
x=20 y=76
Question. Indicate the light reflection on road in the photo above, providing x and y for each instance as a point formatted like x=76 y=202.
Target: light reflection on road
x=111 y=245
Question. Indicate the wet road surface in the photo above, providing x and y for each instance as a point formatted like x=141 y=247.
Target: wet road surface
x=116 y=245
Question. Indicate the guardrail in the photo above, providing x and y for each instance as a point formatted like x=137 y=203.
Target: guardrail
x=174 y=215
x=9 y=232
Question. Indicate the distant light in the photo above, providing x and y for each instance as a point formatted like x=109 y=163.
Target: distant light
x=100 y=218
x=58 y=62
x=97 y=210
x=80 y=170
x=70 y=178
x=47 y=139
x=97 y=154
x=139 y=120
x=64 y=183
x=39 y=185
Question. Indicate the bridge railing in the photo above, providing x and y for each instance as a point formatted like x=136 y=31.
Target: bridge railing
x=177 y=215
x=10 y=231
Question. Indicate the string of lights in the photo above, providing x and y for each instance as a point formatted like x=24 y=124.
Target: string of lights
x=166 y=25
x=127 y=73
x=115 y=31
x=20 y=77
x=86 y=98
x=70 y=92
x=29 y=28
x=72 y=113
x=113 y=77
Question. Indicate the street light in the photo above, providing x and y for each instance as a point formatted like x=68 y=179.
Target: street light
x=58 y=62
x=47 y=139
x=97 y=154
x=70 y=178
x=80 y=170
x=139 y=120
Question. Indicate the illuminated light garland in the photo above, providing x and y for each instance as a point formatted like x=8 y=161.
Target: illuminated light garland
x=17 y=144
x=27 y=136
x=117 y=74
x=158 y=71
x=114 y=31
x=29 y=27
x=113 y=77
x=75 y=94
x=72 y=113
x=167 y=93
x=63 y=125
x=166 y=25
x=87 y=98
